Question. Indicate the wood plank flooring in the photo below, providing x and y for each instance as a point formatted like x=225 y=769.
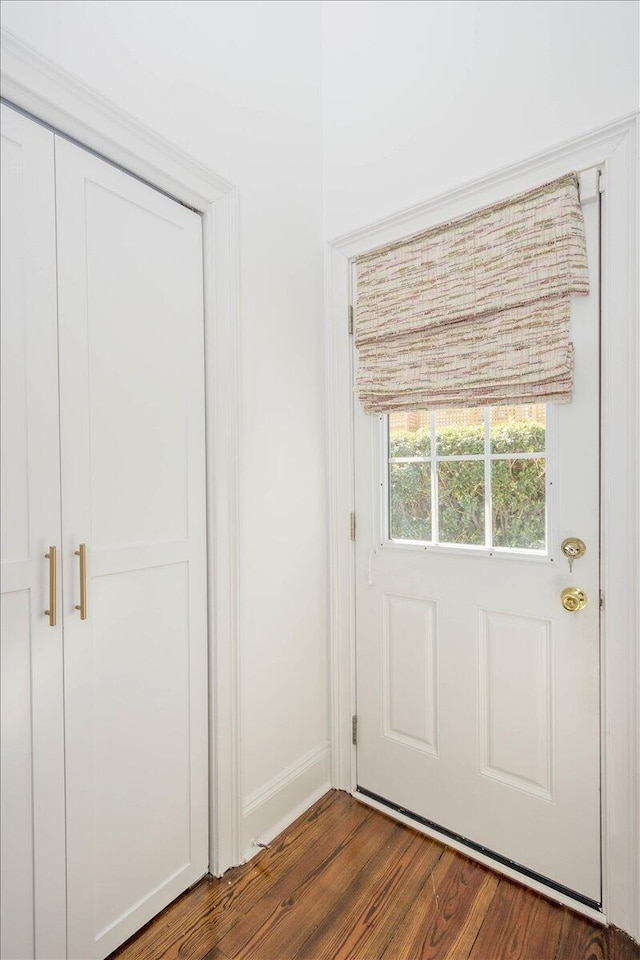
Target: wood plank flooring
x=345 y=882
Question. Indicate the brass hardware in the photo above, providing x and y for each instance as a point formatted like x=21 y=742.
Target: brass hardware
x=82 y=606
x=573 y=548
x=53 y=588
x=573 y=599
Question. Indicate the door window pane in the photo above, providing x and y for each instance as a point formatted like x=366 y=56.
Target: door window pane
x=518 y=429
x=409 y=434
x=461 y=502
x=459 y=431
x=518 y=503
x=410 y=501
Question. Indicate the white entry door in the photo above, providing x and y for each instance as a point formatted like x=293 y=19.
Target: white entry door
x=133 y=505
x=477 y=691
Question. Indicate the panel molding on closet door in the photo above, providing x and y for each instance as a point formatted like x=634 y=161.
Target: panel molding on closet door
x=32 y=776
x=133 y=490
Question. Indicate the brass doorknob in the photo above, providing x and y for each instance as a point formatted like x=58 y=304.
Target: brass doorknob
x=573 y=599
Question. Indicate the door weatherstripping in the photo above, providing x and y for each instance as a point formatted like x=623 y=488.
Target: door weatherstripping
x=594 y=905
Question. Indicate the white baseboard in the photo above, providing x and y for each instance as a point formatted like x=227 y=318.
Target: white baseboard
x=277 y=803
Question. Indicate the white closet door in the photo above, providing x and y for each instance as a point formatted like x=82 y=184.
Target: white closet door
x=133 y=490
x=32 y=775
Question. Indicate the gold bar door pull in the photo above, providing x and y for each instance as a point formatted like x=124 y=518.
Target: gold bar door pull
x=82 y=606
x=53 y=587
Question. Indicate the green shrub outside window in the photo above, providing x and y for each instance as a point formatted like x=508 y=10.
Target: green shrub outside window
x=518 y=485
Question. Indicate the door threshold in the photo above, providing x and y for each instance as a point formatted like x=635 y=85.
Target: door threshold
x=515 y=871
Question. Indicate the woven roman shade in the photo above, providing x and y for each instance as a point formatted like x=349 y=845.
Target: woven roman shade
x=474 y=311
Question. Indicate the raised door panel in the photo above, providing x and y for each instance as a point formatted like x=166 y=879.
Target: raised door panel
x=514 y=702
x=409 y=678
x=32 y=776
x=132 y=413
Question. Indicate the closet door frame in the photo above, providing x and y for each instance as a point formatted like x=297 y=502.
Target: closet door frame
x=51 y=96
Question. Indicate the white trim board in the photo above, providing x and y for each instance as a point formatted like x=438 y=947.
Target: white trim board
x=39 y=87
x=268 y=810
x=614 y=149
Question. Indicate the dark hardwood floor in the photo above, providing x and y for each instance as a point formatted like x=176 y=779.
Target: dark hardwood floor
x=344 y=882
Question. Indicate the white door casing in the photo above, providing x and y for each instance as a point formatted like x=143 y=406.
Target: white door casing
x=32 y=778
x=133 y=490
x=477 y=693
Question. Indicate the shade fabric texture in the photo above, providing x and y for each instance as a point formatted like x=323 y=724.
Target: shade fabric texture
x=475 y=311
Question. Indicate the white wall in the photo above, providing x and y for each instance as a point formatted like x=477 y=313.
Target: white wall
x=420 y=97
x=237 y=85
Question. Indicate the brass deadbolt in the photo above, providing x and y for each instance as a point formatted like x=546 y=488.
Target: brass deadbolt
x=573 y=548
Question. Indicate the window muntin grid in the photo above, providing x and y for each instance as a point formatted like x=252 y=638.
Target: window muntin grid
x=469 y=478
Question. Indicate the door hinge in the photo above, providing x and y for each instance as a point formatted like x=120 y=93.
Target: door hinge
x=602 y=181
x=352 y=525
x=354 y=729
x=601 y=598
x=350 y=319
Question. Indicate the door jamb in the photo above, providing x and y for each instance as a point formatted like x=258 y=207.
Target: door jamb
x=41 y=88
x=614 y=149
